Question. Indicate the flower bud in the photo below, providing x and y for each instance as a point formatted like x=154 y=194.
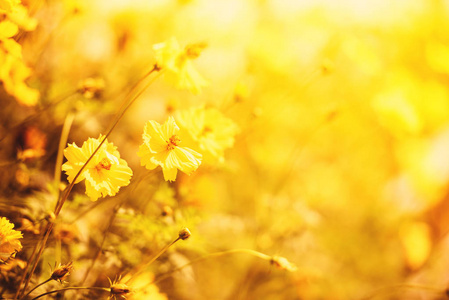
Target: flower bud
x=184 y=234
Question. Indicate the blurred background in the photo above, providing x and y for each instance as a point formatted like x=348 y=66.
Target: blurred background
x=341 y=163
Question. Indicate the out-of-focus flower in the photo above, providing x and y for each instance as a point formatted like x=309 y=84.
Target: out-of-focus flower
x=62 y=272
x=178 y=66
x=105 y=173
x=161 y=148
x=33 y=142
x=210 y=129
x=9 y=240
x=13 y=71
x=283 y=263
x=184 y=234
x=91 y=87
x=142 y=289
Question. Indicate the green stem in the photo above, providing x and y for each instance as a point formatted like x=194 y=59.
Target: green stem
x=73 y=288
x=211 y=255
x=40 y=284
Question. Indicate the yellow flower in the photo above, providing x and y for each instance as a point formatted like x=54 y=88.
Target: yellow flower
x=161 y=148
x=105 y=173
x=7 y=6
x=9 y=240
x=210 y=129
x=178 y=66
x=143 y=289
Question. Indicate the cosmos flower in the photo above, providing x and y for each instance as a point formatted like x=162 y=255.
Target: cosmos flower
x=213 y=132
x=9 y=240
x=177 y=63
x=161 y=148
x=105 y=173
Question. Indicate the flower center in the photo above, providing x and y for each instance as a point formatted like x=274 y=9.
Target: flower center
x=173 y=142
x=103 y=164
x=194 y=50
x=206 y=130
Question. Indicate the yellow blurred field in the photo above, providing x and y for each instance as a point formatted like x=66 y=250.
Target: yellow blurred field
x=198 y=149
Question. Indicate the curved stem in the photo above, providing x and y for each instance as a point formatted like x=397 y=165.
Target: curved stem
x=73 y=288
x=211 y=255
x=142 y=268
x=40 y=284
x=105 y=233
x=129 y=100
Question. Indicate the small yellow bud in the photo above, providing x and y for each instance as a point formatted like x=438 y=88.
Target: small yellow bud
x=184 y=234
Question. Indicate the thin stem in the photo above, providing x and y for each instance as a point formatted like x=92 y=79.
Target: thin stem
x=94 y=259
x=382 y=290
x=40 y=284
x=211 y=255
x=73 y=288
x=142 y=268
x=130 y=99
x=62 y=142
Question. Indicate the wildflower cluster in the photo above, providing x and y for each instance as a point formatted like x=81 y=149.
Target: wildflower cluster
x=13 y=70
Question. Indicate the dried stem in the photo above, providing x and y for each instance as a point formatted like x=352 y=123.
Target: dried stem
x=73 y=288
x=40 y=284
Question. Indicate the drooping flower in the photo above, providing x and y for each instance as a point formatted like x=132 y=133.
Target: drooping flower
x=178 y=66
x=213 y=132
x=106 y=171
x=9 y=240
x=161 y=148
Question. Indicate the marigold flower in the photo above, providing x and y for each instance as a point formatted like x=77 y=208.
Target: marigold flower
x=178 y=66
x=210 y=129
x=161 y=148
x=105 y=173
x=9 y=240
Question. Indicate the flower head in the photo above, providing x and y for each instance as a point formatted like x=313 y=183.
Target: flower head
x=9 y=240
x=184 y=234
x=161 y=148
x=177 y=63
x=106 y=171
x=62 y=272
x=210 y=129
x=283 y=263
x=120 y=290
